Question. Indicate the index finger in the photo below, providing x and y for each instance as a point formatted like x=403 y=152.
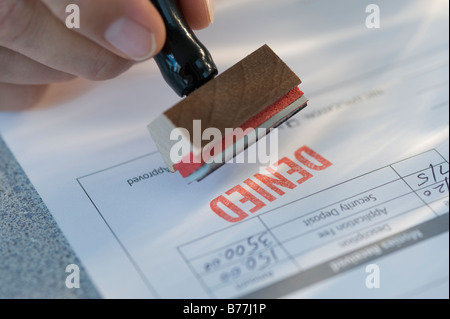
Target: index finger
x=198 y=13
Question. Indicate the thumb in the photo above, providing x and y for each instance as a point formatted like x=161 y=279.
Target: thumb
x=132 y=29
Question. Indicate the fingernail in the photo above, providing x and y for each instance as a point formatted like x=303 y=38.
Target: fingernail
x=210 y=5
x=131 y=38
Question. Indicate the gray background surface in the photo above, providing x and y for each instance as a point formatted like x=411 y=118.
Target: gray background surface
x=33 y=251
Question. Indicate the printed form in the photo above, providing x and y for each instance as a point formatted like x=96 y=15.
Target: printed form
x=368 y=219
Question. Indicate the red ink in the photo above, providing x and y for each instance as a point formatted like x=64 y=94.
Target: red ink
x=308 y=163
x=259 y=181
x=216 y=209
x=247 y=196
x=261 y=191
x=279 y=180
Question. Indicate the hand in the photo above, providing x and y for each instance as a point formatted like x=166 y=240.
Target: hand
x=36 y=47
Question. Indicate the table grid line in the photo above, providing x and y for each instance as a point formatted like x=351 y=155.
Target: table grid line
x=199 y=278
x=345 y=217
x=426 y=204
x=292 y=257
x=360 y=229
x=281 y=245
x=302 y=198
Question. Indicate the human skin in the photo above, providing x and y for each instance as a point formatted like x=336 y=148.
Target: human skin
x=37 y=48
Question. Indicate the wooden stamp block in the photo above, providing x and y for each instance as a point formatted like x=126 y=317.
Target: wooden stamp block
x=260 y=91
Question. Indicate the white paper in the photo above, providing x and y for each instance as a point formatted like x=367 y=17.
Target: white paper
x=378 y=111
